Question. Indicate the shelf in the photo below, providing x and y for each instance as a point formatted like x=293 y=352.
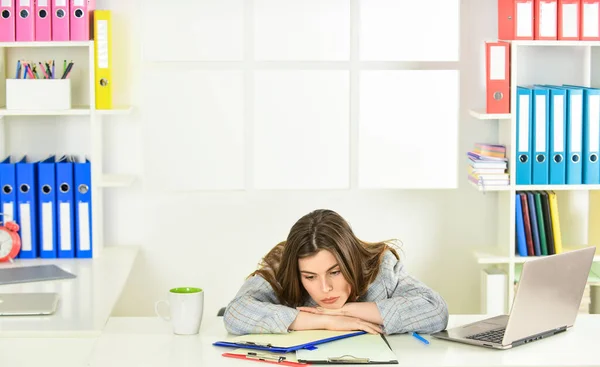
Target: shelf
x=116 y=180
x=490 y=258
x=489 y=188
x=557 y=187
x=552 y=43
x=124 y=110
x=77 y=111
x=479 y=114
x=47 y=44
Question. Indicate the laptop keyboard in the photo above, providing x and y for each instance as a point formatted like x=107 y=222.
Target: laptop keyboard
x=494 y=336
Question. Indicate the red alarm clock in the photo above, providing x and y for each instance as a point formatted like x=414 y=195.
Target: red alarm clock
x=10 y=242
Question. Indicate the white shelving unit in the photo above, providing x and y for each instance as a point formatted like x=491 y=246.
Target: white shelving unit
x=537 y=62
x=86 y=112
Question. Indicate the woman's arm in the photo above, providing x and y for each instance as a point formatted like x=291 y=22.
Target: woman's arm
x=410 y=305
x=256 y=310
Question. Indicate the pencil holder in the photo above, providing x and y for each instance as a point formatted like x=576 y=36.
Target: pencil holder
x=38 y=94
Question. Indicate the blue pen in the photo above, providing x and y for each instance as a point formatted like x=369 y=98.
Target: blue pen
x=18 y=69
x=419 y=337
x=53 y=70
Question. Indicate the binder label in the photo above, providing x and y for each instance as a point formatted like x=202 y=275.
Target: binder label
x=42 y=2
x=590 y=20
x=559 y=118
x=525 y=19
x=84 y=227
x=24 y=2
x=102 y=43
x=569 y=20
x=78 y=2
x=47 y=227
x=65 y=226
x=594 y=122
x=497 y=63
x=523 y=123
x=7 y=3
x=540 y=123
x=9 y=211
x=576 y=123
x=60 y=3
x=548 y=19
x=25 y=223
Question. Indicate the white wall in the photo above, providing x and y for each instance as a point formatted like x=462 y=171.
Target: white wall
x=213 y=239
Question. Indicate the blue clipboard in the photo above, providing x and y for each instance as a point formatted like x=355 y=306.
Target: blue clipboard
x=287 y=343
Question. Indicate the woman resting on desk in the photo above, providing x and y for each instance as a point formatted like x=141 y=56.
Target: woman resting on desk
x=323 y=277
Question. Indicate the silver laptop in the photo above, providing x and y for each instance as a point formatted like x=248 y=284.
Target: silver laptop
x=546 y=303
x=24 y=304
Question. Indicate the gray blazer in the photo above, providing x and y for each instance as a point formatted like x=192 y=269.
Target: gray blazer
x=405 y=304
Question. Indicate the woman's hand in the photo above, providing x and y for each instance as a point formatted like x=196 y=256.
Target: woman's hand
x=347 y=323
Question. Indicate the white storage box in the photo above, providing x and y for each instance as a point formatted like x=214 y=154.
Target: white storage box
x=38 y=94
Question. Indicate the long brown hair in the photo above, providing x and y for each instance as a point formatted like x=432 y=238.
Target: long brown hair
x=321 y=229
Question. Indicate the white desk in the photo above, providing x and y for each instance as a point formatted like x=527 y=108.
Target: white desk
x=86 y=302
x=148 y=342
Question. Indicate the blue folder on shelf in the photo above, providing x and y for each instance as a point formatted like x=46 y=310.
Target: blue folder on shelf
x=524 y=127
x=65 y=211
x=82 y=177
x=539 y=135
x=8 y=193
x=47 y=207
x=26 y=175
x=286 y=343
x=558 y=127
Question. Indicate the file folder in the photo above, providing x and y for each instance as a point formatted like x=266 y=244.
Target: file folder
x=546 y=24
x=47 y=207
x=520 y=227
x=60 y=20
x=497 y=77
x=548 y=222
x=81 y=11
x=524 y=126
x=286 y=343
x=103 y=58
x=527 y=224
x=363 y=349
x=555 y=218
x=27 y=208
x=506 y=23
x=285 y=359
x=64 y=206
x=574 y=174
x=524 y=25
x=8 y=192
x=535 y=232
x=540 y=136
x=7 y=21
x=43 y=20
x=590 y=16
x=591 y=136
x=25 y=20
x=541 y=225
x=568 y=19
x=83 y=209
x=557 y=128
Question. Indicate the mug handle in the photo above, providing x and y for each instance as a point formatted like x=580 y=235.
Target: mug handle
x=166 y=318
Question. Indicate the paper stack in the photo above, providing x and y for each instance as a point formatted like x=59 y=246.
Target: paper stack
x=487 y=165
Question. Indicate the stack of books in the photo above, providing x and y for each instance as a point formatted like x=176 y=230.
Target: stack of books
x=487 y=165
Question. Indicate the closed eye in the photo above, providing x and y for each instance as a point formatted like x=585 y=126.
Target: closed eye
x=334 y=273
x=309 y=277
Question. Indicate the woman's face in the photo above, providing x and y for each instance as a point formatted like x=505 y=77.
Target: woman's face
x=321 y=277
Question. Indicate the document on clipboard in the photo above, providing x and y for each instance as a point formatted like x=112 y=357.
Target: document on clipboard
x=282 y=359
x=286 y=343
x=363 y=349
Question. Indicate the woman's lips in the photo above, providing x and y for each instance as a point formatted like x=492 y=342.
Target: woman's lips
x=330 y=300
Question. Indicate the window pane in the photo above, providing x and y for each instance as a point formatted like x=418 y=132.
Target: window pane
x=408 y=129
x=302 y=30
x=301 y=130
x=409 y=30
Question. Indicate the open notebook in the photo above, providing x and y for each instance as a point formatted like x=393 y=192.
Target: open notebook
x=286 y=343
x=363 y=349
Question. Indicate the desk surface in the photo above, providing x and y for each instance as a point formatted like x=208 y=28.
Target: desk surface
x=148 y=342
x=86 y=302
